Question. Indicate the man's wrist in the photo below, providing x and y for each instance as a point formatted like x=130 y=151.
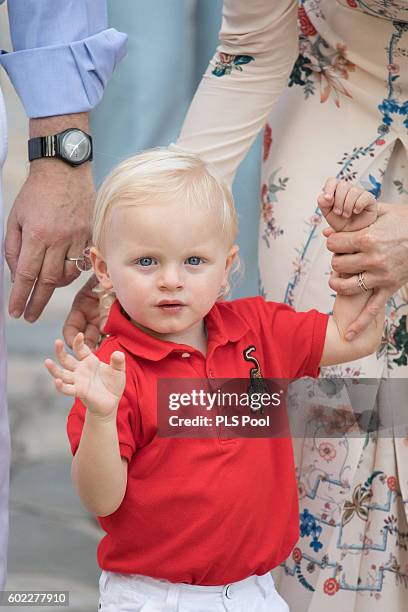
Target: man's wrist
x=57 y=167
x=48 y=126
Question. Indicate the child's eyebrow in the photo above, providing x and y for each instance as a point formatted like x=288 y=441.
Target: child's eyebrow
x=141 y=252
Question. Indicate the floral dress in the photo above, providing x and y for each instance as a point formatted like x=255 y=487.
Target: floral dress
x=328 y=82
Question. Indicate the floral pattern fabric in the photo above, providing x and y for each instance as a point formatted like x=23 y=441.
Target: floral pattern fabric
x=328 y=81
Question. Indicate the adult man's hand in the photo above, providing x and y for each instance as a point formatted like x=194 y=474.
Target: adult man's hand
x=49 y=221
x=380 y=251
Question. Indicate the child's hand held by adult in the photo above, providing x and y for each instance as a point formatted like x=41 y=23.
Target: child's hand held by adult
x=98 y=385
x=347 y=207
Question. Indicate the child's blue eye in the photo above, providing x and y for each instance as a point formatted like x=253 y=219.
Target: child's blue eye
x=194 y=261
x=145 y=261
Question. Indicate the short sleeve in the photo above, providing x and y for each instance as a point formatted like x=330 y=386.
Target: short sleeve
x=298 y=337
x=127 y=421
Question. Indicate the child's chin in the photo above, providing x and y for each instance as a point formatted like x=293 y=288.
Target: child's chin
x=168 y=327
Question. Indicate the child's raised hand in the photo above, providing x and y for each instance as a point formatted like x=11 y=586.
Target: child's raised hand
x=99 y=385
x=346 y=207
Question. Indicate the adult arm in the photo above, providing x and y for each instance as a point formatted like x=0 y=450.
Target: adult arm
x=63 y=57
x=228 y=111
x=381 y=252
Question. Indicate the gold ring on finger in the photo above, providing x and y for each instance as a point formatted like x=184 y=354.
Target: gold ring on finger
x=361 y=283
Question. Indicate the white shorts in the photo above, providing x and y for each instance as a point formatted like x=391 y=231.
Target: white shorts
x=136 y=593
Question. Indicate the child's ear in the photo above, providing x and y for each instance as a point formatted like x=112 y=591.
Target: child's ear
x=100 y=268
x=232 y=253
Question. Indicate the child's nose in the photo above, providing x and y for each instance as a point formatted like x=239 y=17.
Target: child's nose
x=171 y=278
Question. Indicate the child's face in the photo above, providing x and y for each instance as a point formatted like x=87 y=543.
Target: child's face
x=165 y=264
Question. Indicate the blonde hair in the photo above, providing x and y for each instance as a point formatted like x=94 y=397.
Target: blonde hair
x=167 y=174
x=164 y=173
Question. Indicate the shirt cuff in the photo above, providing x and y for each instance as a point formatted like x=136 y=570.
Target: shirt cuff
x=65 y=79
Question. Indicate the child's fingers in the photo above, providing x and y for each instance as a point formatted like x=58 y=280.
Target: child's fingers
x=79 y=347
x=117 y=361
x=57 y=372
x=64 y=388
x=340 y=196
x=366 y=200
x=330 y=188
x=350 y=201
x=325 y=205
x=66 y=360
x=52 y=367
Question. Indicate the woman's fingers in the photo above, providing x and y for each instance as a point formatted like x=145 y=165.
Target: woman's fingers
x=350 y=286
x=373 y=307
x=346 y=242
x=328 y=231
x=350 y=264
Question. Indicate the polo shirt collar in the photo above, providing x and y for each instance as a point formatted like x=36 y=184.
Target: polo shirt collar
x=223 y=325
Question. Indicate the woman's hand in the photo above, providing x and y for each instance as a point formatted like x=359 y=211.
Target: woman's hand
x=380 y=252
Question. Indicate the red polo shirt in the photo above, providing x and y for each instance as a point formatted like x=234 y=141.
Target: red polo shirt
x=204 y=511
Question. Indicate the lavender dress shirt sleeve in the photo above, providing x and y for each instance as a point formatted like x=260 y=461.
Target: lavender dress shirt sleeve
x=63 y=54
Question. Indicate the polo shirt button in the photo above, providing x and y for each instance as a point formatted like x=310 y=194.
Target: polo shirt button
x=227 y=591
x=211 y=374
x=185 y=354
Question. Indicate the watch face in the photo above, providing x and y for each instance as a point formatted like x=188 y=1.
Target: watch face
x=75 y=146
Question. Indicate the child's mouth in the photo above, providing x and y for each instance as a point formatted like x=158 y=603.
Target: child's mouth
x=171 y=306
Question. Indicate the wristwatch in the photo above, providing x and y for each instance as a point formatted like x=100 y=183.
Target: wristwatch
x=73 y=146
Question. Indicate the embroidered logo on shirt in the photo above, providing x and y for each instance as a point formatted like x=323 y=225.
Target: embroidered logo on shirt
x=257 y=384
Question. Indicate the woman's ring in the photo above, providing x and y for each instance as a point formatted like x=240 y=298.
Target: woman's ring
x=361 y=283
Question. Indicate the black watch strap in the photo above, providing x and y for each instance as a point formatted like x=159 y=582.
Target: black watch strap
x=42 y=146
